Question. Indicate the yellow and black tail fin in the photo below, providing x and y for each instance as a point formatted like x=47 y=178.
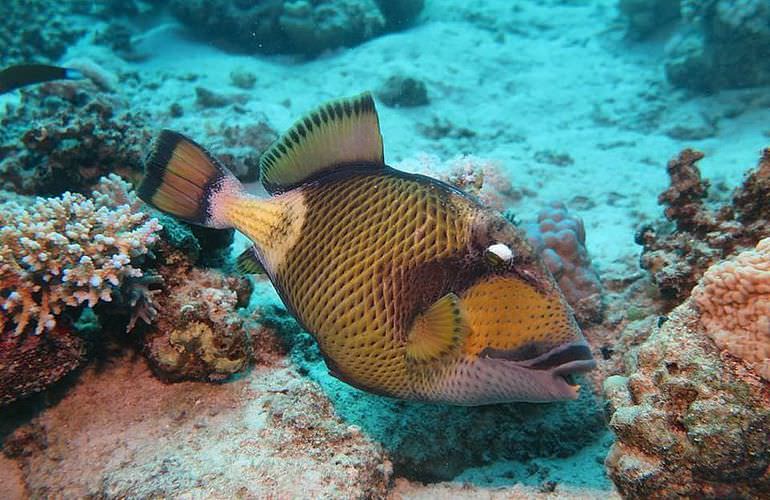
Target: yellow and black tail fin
x=184 y=180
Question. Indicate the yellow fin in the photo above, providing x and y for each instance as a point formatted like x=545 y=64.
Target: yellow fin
x=248 y=262
x=345 y=132
x=437 y=331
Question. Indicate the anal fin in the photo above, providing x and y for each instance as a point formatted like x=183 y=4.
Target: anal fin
x=248 y=262
x=438 y=331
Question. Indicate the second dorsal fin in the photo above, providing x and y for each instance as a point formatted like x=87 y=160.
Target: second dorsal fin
x=345 y=132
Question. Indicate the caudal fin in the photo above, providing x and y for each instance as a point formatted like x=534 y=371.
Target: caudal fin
x=184 y=180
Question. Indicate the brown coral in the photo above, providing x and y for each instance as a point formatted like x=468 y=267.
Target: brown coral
x=30 y=363
x=676 y=259
x=198 y=333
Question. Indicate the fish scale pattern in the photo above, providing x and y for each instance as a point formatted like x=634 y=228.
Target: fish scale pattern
x=506 y=312
x=350 y=276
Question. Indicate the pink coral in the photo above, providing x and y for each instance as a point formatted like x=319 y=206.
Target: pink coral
x=67 y=251
x=733 y=297
x=560 y=238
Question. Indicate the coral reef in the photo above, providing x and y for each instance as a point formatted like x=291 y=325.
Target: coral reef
x=66 y=252
x=560 y=239
x=733 y=298
x=719 y=43
x=31 y=363
x=65 y=136
x=689 y=422
x=305 y=27
x=676 y=259
x=58 y=255
x=35 y=31
x=198 y=333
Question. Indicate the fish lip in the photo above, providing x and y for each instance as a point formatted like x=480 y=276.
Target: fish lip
x=572 y=357
x=555 y=366
x=575 y=367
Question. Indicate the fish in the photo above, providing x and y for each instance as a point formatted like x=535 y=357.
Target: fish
x=411 y=287
x=21 y=75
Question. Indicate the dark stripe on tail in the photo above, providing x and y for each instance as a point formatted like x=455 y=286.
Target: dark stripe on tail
x=180 y=177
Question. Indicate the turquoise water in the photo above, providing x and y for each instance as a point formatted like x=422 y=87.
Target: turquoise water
x=155 y=368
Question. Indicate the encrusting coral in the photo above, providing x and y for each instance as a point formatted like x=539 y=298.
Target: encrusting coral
x=733 y=297
x=66 y=252
x=689 y=423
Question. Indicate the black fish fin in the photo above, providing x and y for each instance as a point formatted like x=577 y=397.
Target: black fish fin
x=248 y=262
x=438 y=331
x=21 y=75
x=340 y=133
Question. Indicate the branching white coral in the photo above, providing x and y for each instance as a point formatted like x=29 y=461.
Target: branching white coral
x=67 y=251
x=733 y=297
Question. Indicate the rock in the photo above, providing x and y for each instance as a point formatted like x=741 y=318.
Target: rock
x=689 y=422
x=122 y=433
x=206 y=98
x=243 y=79
x=403 y=92
x=644 y=17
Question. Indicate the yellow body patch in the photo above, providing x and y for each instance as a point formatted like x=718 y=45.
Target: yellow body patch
x=505 y=313
x=274 y=225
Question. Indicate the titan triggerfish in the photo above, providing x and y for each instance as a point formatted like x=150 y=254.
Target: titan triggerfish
x=411 y=287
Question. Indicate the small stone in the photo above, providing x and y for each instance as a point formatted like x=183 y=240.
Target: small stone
x=176 y=110
x=403 y=92
x=209 y=99
x=243 y=79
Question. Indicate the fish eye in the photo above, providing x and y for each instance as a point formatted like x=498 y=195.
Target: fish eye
x=498 y=254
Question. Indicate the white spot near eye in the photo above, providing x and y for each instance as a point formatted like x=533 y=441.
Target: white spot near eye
x=503 y=251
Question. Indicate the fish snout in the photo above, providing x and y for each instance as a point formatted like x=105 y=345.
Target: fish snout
x=551 y=372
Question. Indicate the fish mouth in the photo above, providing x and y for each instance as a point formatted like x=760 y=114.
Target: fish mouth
x=562 y=363
x=570 y=360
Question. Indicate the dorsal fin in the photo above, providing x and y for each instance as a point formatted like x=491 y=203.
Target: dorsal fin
x=344 y=132
x=437 y=331
x=248 y=262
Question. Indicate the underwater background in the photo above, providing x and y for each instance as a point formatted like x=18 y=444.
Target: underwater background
x=625 y=137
